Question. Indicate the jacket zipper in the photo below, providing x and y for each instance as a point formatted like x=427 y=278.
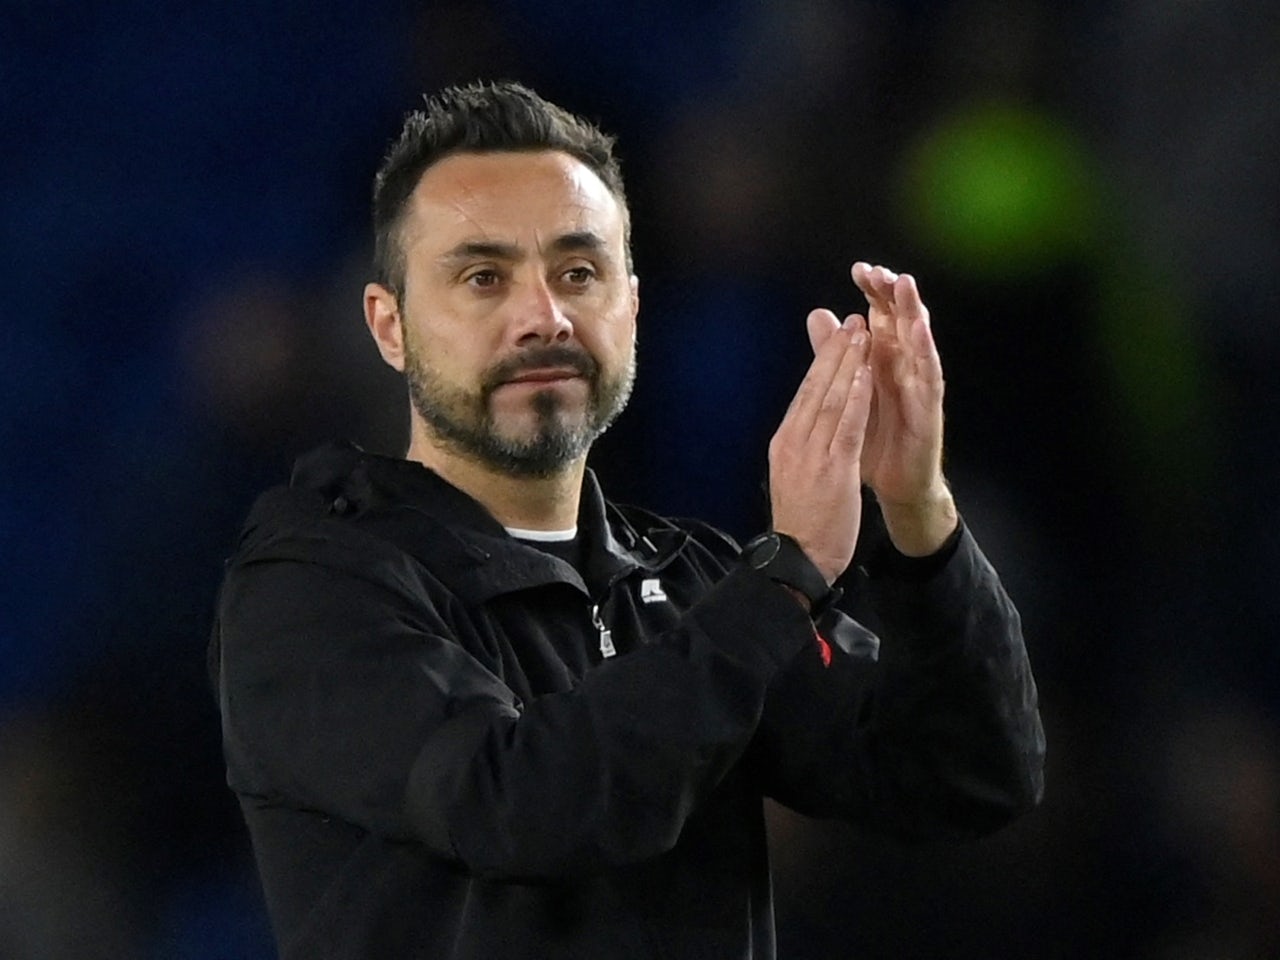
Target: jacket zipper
x=607 y=648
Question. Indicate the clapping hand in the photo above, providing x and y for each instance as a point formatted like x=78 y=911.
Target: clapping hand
x=901 y=452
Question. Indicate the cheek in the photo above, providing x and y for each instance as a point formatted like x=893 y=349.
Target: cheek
x=449 y=339
x=620 y=322
x=614 y=339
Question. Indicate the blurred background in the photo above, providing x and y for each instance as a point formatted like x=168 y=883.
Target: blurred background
x=1089 y=197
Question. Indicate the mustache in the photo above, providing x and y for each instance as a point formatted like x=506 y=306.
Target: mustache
x=538 y=358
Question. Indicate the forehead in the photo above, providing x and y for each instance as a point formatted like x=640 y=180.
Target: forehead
x=522 y=198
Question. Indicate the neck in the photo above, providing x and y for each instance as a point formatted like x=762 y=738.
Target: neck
x=532 y=503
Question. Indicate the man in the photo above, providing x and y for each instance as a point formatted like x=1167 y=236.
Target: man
x=472 y=709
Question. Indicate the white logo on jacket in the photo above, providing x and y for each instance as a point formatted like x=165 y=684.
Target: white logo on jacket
x=651 y=591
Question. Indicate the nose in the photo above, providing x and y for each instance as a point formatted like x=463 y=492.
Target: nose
x=538 y=315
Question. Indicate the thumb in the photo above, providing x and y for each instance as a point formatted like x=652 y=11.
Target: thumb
x=821 y=324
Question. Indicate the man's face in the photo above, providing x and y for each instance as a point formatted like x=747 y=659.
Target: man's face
x=518 y=309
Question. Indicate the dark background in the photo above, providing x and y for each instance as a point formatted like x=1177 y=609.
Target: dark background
x=1087 y=194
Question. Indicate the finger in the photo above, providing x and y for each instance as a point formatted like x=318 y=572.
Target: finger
x=830 y=413
x=876 y=286
x=863 y=278
x=876 y=282
x=850 y=437
x=820 y=324
x=910 y=310
x=813 y=388
x=915 y=332
x=883 y=279
x=925 y=349
x=859 y=272
x=867 y=278
x=851 y=431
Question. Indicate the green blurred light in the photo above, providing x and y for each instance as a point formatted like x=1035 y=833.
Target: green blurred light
x=998 y=190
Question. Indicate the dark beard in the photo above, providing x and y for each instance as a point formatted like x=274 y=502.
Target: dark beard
x=464 y=421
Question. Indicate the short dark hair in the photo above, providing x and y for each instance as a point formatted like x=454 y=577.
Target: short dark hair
x=481 y=117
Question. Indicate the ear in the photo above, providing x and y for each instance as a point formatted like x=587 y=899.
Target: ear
x=382 y=317
x=635 y=296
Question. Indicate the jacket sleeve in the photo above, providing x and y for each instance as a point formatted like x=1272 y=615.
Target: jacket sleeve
x=344 y=694
x=940 y=736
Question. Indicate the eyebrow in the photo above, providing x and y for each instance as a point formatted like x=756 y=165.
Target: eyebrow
x=480 y=249
x=578 y=240
x=586 y=240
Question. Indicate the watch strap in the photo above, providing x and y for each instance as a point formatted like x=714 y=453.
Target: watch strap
x=780 y=558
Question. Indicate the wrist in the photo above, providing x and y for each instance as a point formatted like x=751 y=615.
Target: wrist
x=781 y=558
x=919 y=528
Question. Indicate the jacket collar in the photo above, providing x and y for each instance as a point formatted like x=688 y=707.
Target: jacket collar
x=459 y=541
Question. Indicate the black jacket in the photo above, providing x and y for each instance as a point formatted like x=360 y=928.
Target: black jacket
x=435 y=760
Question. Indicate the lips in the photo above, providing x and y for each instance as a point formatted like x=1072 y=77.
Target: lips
x=545 y=376
x=548 y=364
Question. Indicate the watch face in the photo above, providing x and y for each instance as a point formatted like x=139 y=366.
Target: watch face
x=784 y=561
x=763 y=549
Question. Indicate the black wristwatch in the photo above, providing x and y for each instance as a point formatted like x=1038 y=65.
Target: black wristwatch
x=781 y=559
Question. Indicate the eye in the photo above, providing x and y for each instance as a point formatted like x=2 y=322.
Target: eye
x=579 y=276
x=483 y=278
